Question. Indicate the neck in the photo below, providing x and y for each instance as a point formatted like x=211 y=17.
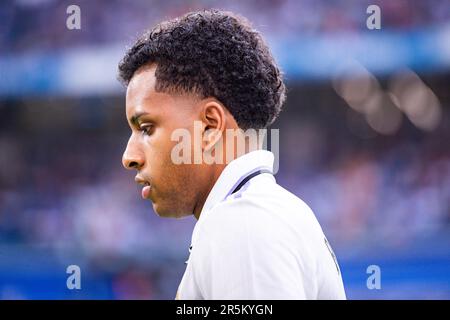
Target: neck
x=218 y=168
x=204 y=195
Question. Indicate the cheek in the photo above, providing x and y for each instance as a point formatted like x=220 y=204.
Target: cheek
x=158 y=156
x=170 y=179
x=157 y=147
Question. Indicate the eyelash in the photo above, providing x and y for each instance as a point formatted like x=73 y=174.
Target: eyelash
x=146 y=129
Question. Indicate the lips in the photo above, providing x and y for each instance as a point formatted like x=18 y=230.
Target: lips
x=146 y=187
x=146 y=191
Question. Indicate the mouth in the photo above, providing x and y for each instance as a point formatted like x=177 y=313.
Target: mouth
x=146 y=187
x=146 y=191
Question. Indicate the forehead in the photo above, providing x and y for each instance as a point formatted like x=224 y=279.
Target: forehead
x=142 y=97
x=141 y=89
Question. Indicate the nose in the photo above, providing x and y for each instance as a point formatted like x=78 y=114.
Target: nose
x=132 y=158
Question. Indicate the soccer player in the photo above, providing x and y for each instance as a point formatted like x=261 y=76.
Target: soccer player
x=253 y=239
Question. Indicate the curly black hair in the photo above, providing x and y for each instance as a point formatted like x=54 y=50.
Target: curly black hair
x=212 y=53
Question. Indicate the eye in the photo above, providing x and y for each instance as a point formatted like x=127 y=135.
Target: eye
x=146 y=129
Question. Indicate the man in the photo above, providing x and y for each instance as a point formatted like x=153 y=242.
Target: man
x=210 y=71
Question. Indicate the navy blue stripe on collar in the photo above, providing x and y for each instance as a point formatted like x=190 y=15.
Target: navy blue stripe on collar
x=247 y=178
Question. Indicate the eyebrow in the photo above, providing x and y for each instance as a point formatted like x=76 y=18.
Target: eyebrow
x=135 y=118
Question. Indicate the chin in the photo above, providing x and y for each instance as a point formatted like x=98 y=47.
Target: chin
x=167 y=212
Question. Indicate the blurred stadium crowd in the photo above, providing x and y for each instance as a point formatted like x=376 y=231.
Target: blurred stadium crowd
x=64 y=196
x=26 y=22
x=63 y=187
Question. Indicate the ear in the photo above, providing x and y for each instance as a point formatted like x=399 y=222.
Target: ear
x=214 y=119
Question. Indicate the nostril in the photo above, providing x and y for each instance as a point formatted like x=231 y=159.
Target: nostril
x=133 y=164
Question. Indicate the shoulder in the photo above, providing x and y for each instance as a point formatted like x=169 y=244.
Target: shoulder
x=262 y=215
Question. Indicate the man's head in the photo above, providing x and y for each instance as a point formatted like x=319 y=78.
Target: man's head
x=208 y=66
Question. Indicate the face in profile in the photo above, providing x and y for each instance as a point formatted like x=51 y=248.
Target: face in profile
x=174 y=189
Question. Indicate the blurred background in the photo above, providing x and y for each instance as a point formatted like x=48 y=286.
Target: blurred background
x=364 y=140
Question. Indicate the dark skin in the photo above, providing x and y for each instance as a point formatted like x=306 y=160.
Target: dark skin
x=177 y=190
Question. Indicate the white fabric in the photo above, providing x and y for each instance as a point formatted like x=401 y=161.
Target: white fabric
x=261 y=242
